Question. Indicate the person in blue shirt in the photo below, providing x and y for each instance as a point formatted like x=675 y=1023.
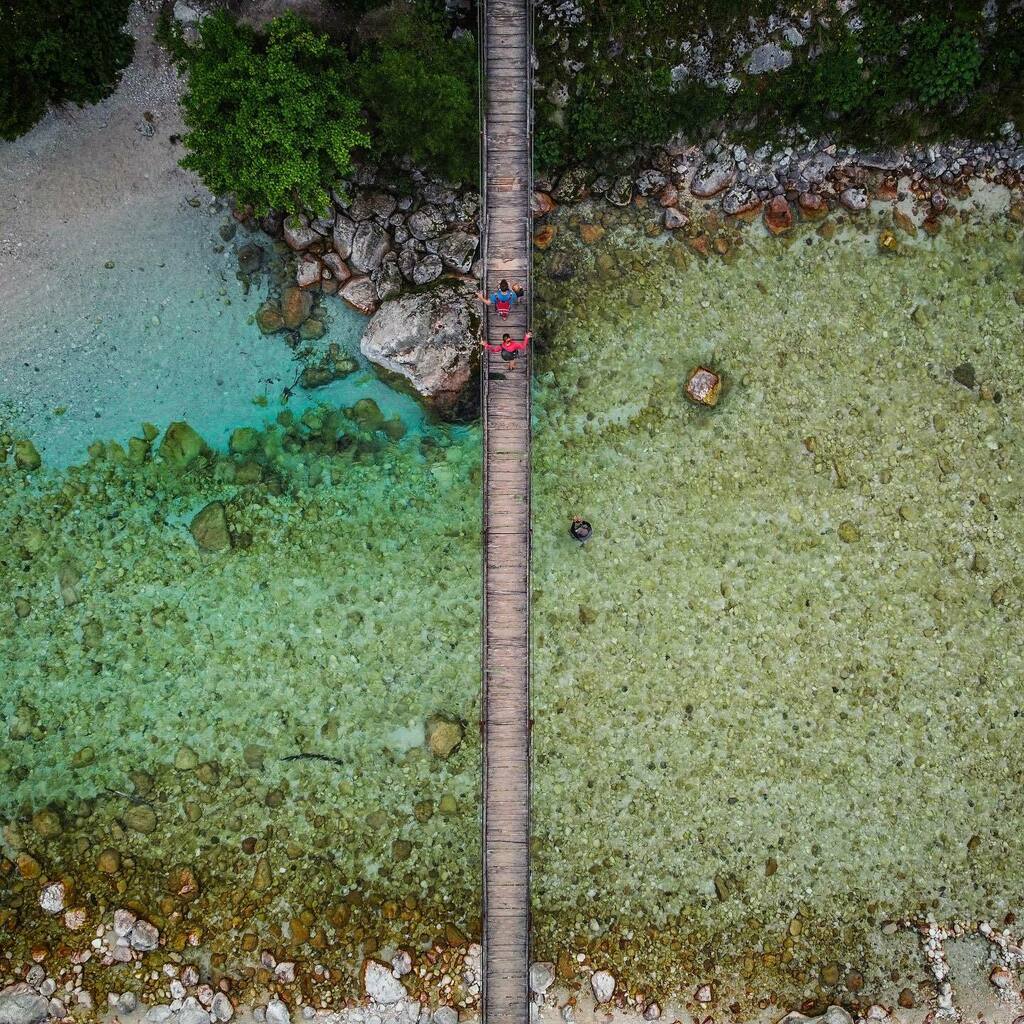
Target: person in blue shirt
x=503 y=299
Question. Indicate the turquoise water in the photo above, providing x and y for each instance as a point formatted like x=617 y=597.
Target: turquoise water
x=776 y=694
x=258 y=717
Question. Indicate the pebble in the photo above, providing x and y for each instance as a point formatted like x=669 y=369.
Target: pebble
x=144 y=937
x=380 y=984
x=221 y=1008
x=542 y=977
x=848 y=533
x=278 y=1013
x=51 y=899
x=602 y=983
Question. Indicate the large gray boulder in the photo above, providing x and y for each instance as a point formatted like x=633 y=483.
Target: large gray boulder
x=344 y=232
x=21 y=1004
x=369 y=245
x=457 y=249
x=430 y=340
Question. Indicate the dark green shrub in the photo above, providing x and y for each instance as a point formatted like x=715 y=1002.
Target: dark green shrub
x=943 y=61
x=271 y=118
x=58 y=51
x=420 y=89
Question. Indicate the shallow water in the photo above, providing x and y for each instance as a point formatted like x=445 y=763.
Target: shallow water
x=156 y=696
x=756 y=740
x=777 y=692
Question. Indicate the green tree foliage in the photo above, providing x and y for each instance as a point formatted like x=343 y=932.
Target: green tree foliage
x=904 y=70
x=58 y=51
x=271 y=118
x=420 y=88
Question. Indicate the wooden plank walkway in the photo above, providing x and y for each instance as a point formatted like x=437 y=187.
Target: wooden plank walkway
x=506 y=45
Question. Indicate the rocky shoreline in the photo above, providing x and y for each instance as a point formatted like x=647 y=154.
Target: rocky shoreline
x=442 y=985
x=386 y=251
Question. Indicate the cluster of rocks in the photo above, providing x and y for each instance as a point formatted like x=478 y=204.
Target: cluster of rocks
x=372 y=244
x=780 y=183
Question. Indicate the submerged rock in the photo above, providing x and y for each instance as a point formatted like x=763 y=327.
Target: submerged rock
x=444 y=735
x=965 y=375
x=181 y=445
x=430 y=340
x=333 y=366
x=269 y=319
x=296 y=305
x=25 y=455
x=380 y=984
x=140 y=818
x=20 y=1004
x=210 y=528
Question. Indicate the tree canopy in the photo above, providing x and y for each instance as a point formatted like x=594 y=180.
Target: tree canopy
x=58 y=51
x=270 y=117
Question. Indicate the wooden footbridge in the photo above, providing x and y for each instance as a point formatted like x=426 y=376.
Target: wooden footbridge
x=506 y=47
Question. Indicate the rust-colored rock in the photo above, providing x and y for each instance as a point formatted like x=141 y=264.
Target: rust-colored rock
x=541 y=204
x=591 y=233
x=668 y=196
x=778 y=217
x=812 y=206
x=296 y=306
x=703 y=386
x=544 y=236
x=700 y=244
x=905 y=223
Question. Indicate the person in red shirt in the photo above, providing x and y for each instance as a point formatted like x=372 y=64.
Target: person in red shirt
x=508 y=348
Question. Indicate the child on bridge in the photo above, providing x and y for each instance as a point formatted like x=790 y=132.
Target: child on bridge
x=503 y=299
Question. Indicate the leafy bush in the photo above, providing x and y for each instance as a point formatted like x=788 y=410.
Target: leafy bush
x=58 y=51
x=271 y=118
x=943 y=62
x=420 y=88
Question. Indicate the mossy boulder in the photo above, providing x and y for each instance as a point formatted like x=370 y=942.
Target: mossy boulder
x=210 y=528
x=367 y=414
x=25 y=455
x=244 y=440
x=444 y=735
x=181 y=445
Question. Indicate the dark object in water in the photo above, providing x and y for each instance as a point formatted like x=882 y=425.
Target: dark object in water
x=580 y=529
x=314 y=757
x=964 y=375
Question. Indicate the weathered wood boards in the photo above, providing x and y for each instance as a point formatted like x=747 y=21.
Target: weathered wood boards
x=506 y=413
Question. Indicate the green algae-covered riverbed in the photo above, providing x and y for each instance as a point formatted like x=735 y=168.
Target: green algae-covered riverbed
x=776 y=695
